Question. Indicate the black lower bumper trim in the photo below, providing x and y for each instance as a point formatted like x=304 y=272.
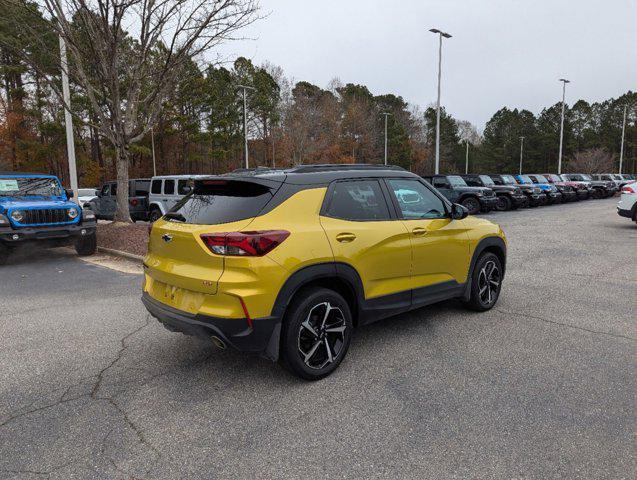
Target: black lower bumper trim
x=261 y=338
x=625 y=213
x=57 y=233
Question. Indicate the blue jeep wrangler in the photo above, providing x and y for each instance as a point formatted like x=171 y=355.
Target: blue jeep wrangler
x=36 y=209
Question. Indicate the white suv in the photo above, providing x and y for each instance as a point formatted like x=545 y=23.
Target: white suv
x=166 y=191
x=627 y=206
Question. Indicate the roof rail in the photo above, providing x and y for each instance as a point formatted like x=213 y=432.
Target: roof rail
x=325 y=167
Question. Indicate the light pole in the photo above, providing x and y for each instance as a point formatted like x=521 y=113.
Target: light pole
x=559 y=158
x=521 y=152
x=152 y=141
x=466 y=166
x=440 y=35
x=386 y=115
x=70 y=142
x=621 y=149
x=245 y=121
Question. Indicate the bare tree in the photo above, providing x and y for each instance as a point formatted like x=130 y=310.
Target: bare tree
x=594 y=160
x=127 y=55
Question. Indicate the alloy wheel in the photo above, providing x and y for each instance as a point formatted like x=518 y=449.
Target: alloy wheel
x=489 y=283
x=322 y=336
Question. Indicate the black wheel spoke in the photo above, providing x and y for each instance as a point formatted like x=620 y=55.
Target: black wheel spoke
x=322 y=335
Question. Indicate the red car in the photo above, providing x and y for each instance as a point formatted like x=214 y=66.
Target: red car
x=582 y=191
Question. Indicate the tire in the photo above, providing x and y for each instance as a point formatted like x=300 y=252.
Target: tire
x=598 y=193
x=472 y=204
x=304 y=338
x=486 y=273
x=154 y=215
x=87 y=245
x=504 y=203
x=4 y=254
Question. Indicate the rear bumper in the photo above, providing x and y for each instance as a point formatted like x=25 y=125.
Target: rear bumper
x=59 y=234
x=624 y=213
x=261 y=338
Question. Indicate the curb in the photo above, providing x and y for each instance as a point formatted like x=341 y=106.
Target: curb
x=119 y=253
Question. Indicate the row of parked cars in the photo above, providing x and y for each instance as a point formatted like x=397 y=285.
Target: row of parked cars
x=150 y=199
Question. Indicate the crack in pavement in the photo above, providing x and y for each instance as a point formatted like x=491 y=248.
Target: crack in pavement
x=567 y=325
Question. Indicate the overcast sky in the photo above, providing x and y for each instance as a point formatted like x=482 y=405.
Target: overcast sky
x=503 y=52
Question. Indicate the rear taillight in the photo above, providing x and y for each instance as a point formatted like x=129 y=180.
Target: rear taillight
x=629 y=189
x=244 y=244
x=133 y=202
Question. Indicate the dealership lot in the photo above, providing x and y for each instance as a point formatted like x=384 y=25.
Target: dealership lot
x=541 y=386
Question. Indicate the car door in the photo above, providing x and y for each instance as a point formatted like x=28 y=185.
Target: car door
x=109 y=201
x=440 y=245
x=363 y=232
x=170 y=194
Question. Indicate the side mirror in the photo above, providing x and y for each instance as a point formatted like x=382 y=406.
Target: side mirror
x=458 y=212
x=69 y=193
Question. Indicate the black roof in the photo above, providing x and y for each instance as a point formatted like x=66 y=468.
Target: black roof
x=321 y=174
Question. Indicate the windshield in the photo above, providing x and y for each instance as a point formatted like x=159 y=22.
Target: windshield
x=586 y=177
x=525 y=179
x=555 y=178
x=486 y=180
x=457 y=181
x=87 y=192
x=23 y=187
x=508 y=179
x=541 y=179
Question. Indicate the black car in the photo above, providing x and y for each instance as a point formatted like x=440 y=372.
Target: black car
x=509 y=196
x=566 y=191
x=105 y=205
x=456 y=190
x=533 y=193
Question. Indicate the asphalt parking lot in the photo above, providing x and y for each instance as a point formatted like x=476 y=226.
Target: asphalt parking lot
x=543 y=386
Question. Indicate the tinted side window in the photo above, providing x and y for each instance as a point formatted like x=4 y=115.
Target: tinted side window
x=181 y=187
x=113 y=189
x=139 y=188
x=473 y=182
x=169 y=187
x=105 y=189
x=416 y=201
x=358 y=200
x=156 y=187
x=440 y=182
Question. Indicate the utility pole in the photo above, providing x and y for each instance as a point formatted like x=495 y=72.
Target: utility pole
x=152 y=141
x=440 y=35
x=521 y=152
x=70 y=142
x=621 y=149
x=245 y=122
x=386 y=115
x=559 y=159
x=466 y=166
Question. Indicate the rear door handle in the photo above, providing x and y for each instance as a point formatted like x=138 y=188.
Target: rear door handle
x=419 y=231
x=345 y=237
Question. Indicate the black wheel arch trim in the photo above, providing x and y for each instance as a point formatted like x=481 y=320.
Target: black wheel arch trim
x=485 y=243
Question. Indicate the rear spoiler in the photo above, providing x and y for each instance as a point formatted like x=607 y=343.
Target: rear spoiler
x=201 y=185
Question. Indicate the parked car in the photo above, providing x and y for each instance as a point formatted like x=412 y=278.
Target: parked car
x=508 y=196
x=456 y=190
x=105 y=205
x=627 y=206
x=287 y=263
x=617 y=179
x=166 y=191
x=533 y=193
x=85 y=195
x=567 y=192
x=601 y=188
x=552 y=195
x=582 y=191
x=36 y=210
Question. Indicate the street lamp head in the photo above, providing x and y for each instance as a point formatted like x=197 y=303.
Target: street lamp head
x=564 y=80
x=444 y=34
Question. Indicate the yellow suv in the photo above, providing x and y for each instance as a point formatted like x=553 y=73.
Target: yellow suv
x=286 y=263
